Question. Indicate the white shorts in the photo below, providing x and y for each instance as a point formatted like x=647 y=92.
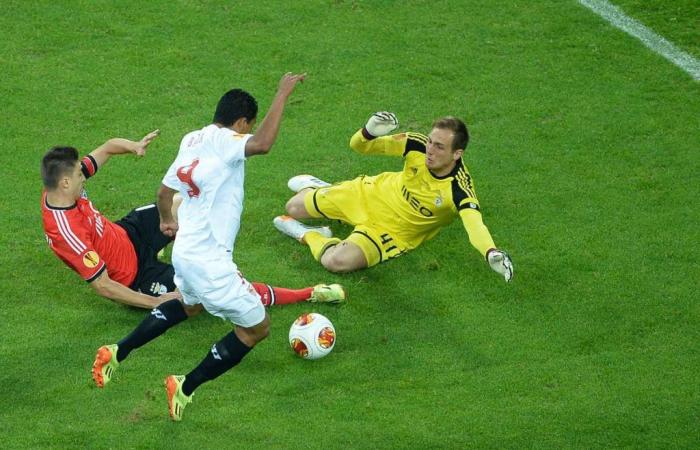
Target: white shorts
x=220 y=288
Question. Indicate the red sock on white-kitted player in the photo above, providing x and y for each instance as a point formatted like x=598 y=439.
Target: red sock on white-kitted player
x=270 y=295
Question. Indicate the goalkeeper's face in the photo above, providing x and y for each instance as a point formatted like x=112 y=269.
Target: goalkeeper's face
x=440 y=158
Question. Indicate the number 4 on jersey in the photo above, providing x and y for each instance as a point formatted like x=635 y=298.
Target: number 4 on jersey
x=184 y=174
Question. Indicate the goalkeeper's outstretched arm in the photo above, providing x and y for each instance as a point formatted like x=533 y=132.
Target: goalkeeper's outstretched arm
x=481 y=239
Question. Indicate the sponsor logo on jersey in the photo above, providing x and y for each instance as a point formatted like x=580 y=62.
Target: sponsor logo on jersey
x=438 y=201
x=90 y=259
x=415 y=203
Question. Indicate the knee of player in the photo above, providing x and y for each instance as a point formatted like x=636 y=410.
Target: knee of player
x=295 y=207
x=292 y=208
x=193 y=310
x=265 y=331
x=336 y=262
x=252 y=336
x=262 y=331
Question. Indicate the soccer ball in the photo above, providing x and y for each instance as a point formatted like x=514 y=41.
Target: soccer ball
x=312 y=336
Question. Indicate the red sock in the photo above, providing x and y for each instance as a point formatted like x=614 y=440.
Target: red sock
x=270 y=295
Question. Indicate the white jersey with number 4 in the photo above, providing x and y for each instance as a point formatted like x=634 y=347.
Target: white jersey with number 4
x=208 y=172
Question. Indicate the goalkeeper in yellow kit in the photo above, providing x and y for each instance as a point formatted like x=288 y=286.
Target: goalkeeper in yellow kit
x=393 y=212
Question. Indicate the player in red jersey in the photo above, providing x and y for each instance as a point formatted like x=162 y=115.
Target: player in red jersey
x=119 y=259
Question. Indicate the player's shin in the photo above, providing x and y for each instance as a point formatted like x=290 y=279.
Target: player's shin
x=318 y=243
x=159 y=320
x=270 y=295
x=223 y=356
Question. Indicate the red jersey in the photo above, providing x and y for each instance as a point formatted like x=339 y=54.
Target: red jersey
x=86 y=241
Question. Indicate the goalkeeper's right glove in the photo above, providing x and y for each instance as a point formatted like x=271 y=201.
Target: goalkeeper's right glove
x=381 y=124
x=500 y=262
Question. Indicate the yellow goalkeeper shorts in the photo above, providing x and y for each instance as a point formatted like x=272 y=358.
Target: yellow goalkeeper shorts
x=344 y=202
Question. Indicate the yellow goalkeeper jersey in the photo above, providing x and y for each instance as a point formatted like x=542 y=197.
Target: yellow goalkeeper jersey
x=413 y=205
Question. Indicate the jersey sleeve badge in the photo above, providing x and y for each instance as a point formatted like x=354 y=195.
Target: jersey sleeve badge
x=91 y=259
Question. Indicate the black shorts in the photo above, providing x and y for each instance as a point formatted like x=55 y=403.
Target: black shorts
x=143 y=227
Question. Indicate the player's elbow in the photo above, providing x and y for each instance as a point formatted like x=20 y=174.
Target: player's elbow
x=357 y=144
x=100 y=288
x=357 y=148
x=101 y=285
x=112 y=146
x=258 y=146
x=164 y=192
x=263 y=148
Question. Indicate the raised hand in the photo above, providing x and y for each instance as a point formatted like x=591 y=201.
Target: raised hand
x=140 y=147
x=289 y=82
x=382 y=123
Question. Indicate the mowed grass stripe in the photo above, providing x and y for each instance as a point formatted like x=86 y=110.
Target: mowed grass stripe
x=651 y=40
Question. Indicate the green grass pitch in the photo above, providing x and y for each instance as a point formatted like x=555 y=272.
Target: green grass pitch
x=585 y=150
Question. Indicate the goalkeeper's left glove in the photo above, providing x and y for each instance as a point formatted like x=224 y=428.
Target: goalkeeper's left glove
x=381 y=124
x=500 y=262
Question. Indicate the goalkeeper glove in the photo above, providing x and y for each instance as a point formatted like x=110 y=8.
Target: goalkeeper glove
x=381 y=124
x=500 y=262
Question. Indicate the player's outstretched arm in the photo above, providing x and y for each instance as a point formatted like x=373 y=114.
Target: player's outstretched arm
x=266 y=134
x=480 y=238
x=501 y=263
x=119 y=146
x=107 y=287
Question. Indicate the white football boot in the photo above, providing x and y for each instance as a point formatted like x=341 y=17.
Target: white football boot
x=301 y=182
x=295 y=229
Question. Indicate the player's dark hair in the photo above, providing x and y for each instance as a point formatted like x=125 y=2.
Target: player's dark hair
x=56 y=163
x=233 y=105
x=458 y=128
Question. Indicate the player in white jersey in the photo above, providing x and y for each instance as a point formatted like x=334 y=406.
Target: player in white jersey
x=208 y=172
